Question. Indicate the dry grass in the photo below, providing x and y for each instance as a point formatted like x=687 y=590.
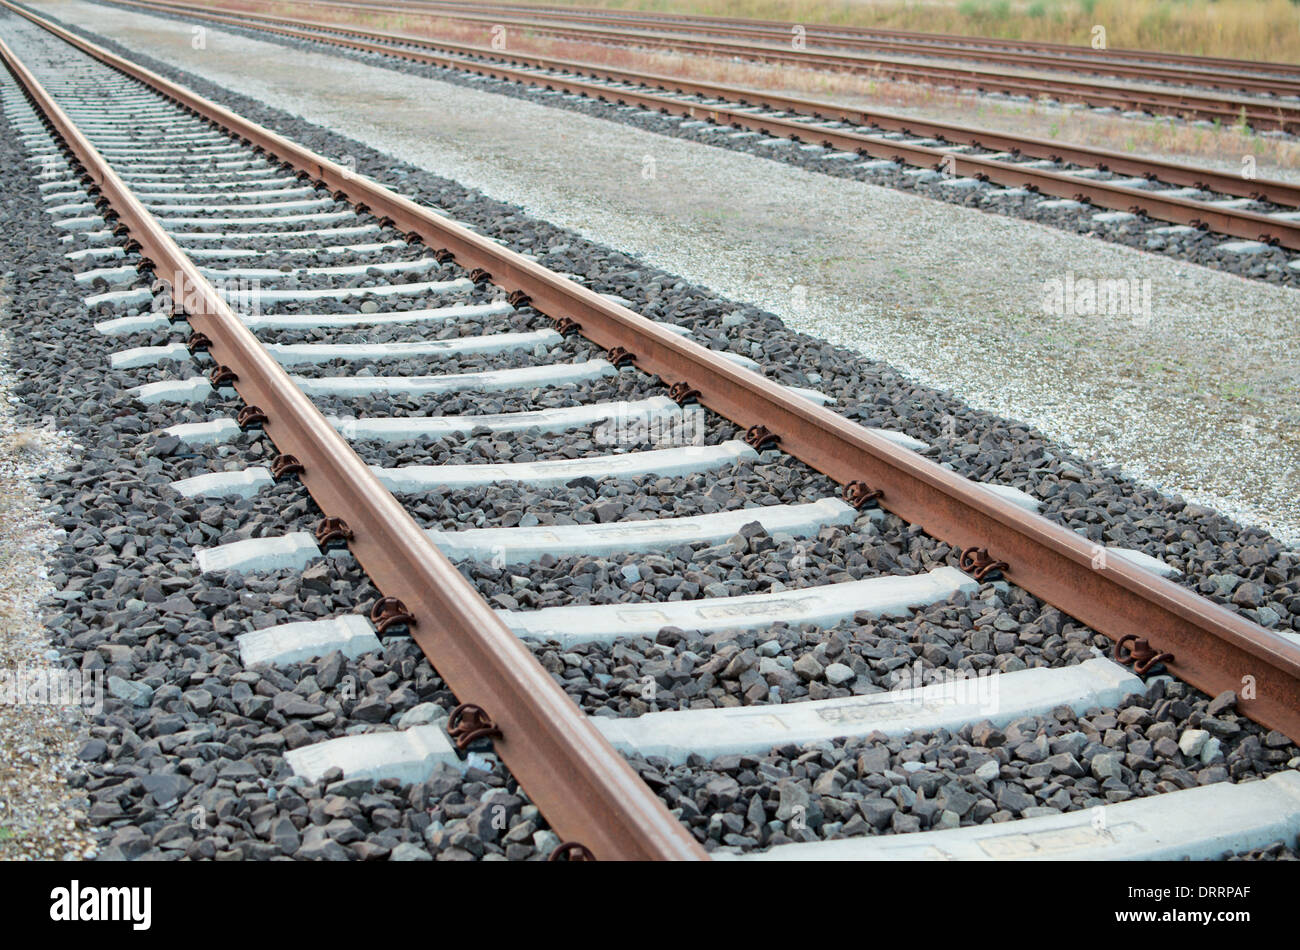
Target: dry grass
x=1161 y=139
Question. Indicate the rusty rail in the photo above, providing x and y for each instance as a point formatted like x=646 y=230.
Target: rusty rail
x=585 y=789
x=1230 y=221
x=1207 y=645
x=1260 y=114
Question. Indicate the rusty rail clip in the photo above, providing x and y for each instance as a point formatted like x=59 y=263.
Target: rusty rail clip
x=284 y=466
x=683 y=392
x=860 y=494
x=222 y=375
x=518 y=298
x=1140 y=653
x=198 y=343
x=468 y=723
x=760 y=436
x=479 y=276
x=332 y=532
x=565 y=326
x=571 y=851
x=619 y=356
x=390 y=612
x=979 y=563
x=251 y=417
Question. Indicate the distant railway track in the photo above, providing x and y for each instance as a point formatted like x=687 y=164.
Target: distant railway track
x=1280 y=112
x=954 y=44
x=159 y=181
x=1253 y=209
x=1275 y=79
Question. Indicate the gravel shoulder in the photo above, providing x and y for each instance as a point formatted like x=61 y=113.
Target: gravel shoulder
x=41 y=818
x=1198 y=398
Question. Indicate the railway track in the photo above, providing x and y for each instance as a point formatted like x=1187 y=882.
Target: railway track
x=1278 y=79
x=936 y=43
x=1262 y=112
x=1161 y=201
x=750 y=581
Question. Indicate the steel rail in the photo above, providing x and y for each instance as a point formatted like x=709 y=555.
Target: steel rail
x=831 y=30
x=1229 y=109
x=584 y=788
x=1229 y=221
x=1207 y=645
x=1077 y=61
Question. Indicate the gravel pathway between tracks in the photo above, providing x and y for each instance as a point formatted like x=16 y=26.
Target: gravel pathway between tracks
x=1198 y=399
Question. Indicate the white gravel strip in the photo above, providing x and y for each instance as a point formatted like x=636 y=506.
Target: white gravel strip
x=41 y=818
x=1198 y=396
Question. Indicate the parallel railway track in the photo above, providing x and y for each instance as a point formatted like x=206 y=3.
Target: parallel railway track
x=936 y=43
x=1220 y=76
x=143 y=167
x=1279 y=111
x=1254 y=209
